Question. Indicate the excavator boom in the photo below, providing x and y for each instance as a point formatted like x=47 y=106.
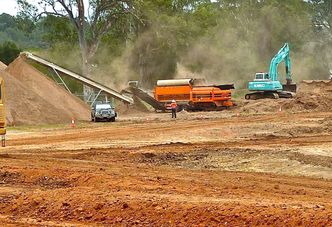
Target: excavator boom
x=282 y=55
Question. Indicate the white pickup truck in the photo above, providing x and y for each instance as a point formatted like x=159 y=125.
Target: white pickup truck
x=103 y=112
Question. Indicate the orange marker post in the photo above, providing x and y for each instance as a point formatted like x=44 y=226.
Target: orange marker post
x=73 y=125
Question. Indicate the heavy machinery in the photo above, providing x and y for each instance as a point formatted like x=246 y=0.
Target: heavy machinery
x=2 y=113
x=103 y=112
x=267 y=85
x=193 y=97
x=190 y=94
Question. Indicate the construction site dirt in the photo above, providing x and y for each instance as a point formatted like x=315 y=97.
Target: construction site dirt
x=226 y=168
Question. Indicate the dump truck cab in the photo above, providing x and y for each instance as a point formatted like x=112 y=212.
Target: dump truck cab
x=2 y=112
x=103 y=112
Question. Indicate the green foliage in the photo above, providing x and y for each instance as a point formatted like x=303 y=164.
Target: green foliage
x=246 y=35
x=322 y=24
x=154 y=58
x=8 y=52
x=19 y=30
x=222 y=40
x=57 y=29
x=165 y=34
x=71 y=83
x=27 y=10
x=322 y=15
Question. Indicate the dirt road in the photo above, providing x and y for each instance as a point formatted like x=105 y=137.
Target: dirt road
x=202 y=169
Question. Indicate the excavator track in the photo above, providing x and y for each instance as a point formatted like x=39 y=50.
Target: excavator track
x=261 y=95
x=269 y=95
x=286 y=94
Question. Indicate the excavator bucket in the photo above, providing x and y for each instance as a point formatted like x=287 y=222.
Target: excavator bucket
x=289 y=87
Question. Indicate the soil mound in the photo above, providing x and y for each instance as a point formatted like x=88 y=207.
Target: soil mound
x=311 y=96
x=32 y=98
x=2 y=66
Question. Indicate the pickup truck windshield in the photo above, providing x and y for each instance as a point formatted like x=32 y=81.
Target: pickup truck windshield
x=103 y=106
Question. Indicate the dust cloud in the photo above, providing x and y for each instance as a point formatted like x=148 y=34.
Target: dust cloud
x=230 y=52
x=113 y=71
x=233 y=51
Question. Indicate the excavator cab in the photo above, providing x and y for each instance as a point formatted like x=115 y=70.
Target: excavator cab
x=262 y=76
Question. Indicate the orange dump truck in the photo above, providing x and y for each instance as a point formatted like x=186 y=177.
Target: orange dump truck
x=193 y=97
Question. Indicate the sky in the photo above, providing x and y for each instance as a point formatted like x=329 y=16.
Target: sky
x=8 y=6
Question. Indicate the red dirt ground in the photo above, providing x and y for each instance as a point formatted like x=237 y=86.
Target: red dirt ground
x=206 y=169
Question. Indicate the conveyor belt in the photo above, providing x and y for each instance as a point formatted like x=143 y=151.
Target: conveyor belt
x=80 y=78
x=147 y=98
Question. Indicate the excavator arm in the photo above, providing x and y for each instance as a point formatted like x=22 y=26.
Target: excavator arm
x=282 y=55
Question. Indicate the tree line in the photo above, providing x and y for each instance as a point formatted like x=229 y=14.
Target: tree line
x=222 y=40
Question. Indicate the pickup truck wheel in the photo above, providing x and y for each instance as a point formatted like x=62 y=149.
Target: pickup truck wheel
x=112 y=119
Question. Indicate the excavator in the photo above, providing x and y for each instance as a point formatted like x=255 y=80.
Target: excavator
x=2 y=113
x=267 y=85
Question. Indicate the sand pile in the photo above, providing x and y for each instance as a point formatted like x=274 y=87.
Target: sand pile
x=311 y=96
x=2 y=66
x=32 y=98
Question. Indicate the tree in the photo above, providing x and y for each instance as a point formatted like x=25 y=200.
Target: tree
x=16 y=29
x=8 y=52
x=167 y=31
x=246 y=35
x=322 y=14
x=58 y=29
x=322 y=22
x=91 y=22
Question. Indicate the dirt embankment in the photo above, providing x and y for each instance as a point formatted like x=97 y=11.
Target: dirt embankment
x=311 y=96
x=32 y=98
x=2 y=66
